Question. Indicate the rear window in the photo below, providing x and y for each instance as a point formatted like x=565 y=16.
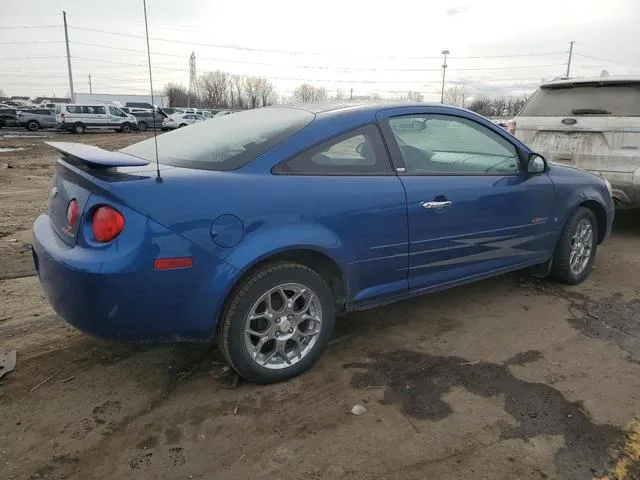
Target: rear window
x=224 y=143
x=603 y=100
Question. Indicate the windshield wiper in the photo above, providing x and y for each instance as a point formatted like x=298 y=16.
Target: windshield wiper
x=590 y=111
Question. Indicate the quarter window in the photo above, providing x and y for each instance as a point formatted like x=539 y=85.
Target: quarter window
x=359 y=152
x=448 y=145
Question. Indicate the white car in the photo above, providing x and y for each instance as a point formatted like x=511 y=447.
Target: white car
x=77 y=118
x=589 y=123
x=178 y=120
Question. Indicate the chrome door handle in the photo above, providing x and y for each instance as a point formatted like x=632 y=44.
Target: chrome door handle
x=437 y=205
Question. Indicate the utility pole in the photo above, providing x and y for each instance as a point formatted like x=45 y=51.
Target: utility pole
x=90 y=89
x=570 y=54
x=444 y=71
x=66 y=41
x=351 y=98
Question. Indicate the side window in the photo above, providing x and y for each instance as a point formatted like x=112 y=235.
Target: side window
x=359 y=152
x=95 y=110
x=74 y=109
x=114 y=111
x=444 y=144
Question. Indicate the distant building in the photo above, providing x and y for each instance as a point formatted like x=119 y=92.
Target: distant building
x=159 y=100
x=39 y=100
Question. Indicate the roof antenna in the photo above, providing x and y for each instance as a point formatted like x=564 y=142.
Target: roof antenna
x=153 y=103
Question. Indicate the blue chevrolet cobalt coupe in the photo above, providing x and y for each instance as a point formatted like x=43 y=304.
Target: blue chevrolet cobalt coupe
x=256 y=229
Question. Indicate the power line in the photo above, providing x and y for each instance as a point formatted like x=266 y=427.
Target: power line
x=606 y=60
x=29 y=58
x=31 y=43
x=31 y=27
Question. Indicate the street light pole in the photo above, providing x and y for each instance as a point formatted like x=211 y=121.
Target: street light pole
x=444 y=70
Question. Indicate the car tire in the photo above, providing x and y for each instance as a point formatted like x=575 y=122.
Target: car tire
x=576 y=248
x=125 y=128
x=142 y=126
x=33 y=126
x=78 y=128
x=285 y=354
x=182 y=125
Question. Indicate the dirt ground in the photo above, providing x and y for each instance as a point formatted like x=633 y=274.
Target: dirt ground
x=510 y=378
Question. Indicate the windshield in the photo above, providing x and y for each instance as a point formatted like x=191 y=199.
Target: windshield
x=224 y=143
x=613 y=100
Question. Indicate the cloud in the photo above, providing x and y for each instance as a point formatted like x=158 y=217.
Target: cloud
x=455 y=10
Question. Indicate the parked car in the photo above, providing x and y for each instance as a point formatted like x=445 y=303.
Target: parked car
x=145 y=105
x=77 y=118
x=37 y=118
x=590 y=123
x=148 y=119
x=179 y=120
x=269 y=222
x=8 y=117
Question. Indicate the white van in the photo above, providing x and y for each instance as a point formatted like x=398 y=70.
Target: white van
x=77 y=118
x=589 y=123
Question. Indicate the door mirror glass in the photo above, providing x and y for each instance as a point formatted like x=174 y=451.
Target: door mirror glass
x=537 y=164
x=359 y=148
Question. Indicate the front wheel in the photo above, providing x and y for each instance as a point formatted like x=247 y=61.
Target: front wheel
x=182 y=125
x=125 y=128
x=576 y=249
x=33 y=126
x=278 y=323
x=142 y=126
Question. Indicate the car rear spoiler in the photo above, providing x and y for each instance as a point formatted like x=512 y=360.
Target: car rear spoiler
x=97 y=157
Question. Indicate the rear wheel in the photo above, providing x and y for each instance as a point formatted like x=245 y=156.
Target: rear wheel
x=126 y=127
x=576 y=249
x=78 y=128
x=278 y=323
x=142 y=126
x=33 y=126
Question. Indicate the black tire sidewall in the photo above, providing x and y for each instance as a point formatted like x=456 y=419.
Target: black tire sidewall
x=232 y=334
x=126 y=128
x=142 y=126
x=561 y=270
x=78 y=128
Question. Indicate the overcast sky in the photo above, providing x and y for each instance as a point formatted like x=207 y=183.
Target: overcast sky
x=497 y=46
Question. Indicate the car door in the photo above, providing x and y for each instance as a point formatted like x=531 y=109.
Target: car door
x=346 y=185
x=473 y=210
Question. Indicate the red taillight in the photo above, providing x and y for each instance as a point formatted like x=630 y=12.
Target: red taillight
x=72 y=212
x=107 y=224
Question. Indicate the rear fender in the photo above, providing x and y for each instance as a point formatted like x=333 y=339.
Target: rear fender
x=268 y=243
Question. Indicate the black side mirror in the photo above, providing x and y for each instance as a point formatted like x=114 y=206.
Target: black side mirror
x=536 y=163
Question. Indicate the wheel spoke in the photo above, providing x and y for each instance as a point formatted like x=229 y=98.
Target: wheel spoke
x=259 y=345
x=256 y=333
x=268 y=357
x=282 y=352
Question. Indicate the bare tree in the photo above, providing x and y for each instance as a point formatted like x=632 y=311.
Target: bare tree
x=237 y=86
x=308 y=93
x=267 y=93
x=455 y=95
x=339 y=94
x=482 y=104
x=414 y=96
x=213 y=88
x=177 y=94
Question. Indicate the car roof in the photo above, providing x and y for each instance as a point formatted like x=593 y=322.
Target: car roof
x=595 y=81
x=334 y=106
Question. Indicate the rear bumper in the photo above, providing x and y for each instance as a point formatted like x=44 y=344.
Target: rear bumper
x=120 y=297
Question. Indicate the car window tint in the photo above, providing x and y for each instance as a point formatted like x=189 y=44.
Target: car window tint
x=225 y=143
x=360 y=152
x=444 y=144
